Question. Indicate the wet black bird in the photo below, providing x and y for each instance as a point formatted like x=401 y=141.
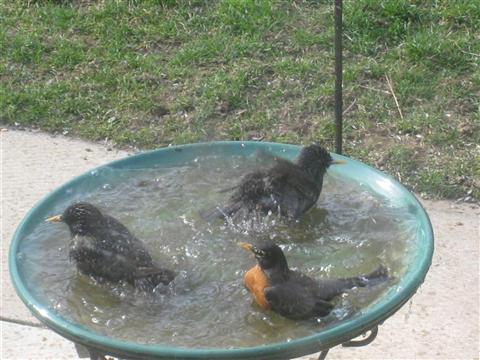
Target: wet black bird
x=292 y=294
x=106 y=250
x=286 y=188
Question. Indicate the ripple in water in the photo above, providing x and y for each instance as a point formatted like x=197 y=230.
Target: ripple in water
x=349 y=232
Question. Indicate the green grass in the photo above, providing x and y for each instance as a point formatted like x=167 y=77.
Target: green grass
x=152 y=73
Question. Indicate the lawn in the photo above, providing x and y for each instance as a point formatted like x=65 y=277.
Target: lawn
x=153 y=73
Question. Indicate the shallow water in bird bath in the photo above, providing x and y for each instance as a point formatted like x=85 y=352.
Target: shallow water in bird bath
x=350 y=232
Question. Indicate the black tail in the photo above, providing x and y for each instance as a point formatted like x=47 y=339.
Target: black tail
x=376 y=277
x=220 y=212
x=147 y=278
x=334 y=287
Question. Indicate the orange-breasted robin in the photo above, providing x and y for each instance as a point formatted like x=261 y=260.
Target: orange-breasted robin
x=286 y=188
x=293 y=294
x=104 y=249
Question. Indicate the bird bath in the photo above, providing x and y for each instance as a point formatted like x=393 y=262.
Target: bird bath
x=417 y=262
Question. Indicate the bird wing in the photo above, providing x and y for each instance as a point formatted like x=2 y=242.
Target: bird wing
x=249 y=193
x=220 y=212
x=295 y=301
x=118 y=239
x=330 y=288
x=264 y=157
x=93 y=259
x=301 y=297
x=293 y=189
x=283 y=186
x=297 y=178
x=115 y=254
x=130 y=262
x=149 y=277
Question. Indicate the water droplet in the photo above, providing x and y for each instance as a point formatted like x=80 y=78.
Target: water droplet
x=94 y=172
x=107 y=187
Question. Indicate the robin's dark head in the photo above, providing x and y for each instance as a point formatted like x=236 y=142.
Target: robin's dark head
x=82 y=218
x=269 y=255
x=316 y=160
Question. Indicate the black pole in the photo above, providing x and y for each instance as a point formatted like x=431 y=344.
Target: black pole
x=338 y=76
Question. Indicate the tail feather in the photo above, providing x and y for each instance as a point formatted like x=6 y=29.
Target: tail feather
x=333 y=287
x=148 y=277
x=376 y=277
x=220 y=212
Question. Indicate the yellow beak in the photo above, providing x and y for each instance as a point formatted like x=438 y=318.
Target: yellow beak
x=246 y=246
x=338 y=162
x=56 y=218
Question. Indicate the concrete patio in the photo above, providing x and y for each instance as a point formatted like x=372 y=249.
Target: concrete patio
x=440 y=322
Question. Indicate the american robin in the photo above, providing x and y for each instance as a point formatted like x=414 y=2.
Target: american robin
x=286 y=188
x=105 y=249
x=292 y=294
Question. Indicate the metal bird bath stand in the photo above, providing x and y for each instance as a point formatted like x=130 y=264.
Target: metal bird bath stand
x=96 y=346
x=93 y=354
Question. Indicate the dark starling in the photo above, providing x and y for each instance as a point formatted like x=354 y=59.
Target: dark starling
x=104 y=249
x=287 y=188
x=293 y=294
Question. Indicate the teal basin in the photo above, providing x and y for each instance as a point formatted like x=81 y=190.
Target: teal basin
x=418 y=262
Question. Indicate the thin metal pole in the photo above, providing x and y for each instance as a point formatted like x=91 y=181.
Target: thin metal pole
x=323 y=354
x=338 y=76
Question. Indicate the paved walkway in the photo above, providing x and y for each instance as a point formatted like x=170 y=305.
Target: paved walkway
x=440 y=322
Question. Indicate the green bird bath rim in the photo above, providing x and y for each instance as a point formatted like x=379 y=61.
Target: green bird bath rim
x=418 y=262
